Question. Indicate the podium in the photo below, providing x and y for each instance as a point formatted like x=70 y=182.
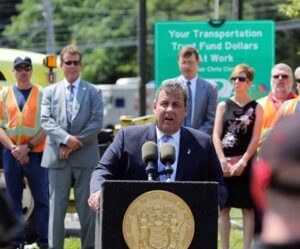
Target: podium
x=157 y=215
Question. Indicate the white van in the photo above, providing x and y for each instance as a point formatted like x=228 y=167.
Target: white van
x=122 y=98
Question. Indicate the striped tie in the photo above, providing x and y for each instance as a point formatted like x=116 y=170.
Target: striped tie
x=70 y=98
x=188 y=118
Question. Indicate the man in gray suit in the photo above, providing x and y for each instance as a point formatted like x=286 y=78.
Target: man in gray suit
x=71 y=115
x=203 y=94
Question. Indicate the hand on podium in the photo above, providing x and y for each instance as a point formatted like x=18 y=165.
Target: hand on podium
x=94 y=201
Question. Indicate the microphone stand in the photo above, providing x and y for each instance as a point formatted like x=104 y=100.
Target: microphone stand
x=151 y=171
x=168 y=170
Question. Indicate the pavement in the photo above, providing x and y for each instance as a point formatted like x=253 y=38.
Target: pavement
x=72 y=225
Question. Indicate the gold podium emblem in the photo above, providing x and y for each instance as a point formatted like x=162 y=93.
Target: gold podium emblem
x=158 y=220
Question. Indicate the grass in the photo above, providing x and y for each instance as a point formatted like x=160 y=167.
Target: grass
x=236 y=235
x=72 y=243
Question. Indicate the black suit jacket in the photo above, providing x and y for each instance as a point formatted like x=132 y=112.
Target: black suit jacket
x=123 y=159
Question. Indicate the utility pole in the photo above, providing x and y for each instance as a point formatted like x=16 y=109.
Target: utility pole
x=217 y=6
x=50 y=35
x=237 y=9
x=142 y=34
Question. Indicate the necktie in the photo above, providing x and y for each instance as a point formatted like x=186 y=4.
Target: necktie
x=188 y=118
x=164 y=139
x=70 y=98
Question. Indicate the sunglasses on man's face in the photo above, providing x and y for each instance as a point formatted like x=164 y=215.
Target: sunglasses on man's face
x=282 y=76
x=23 y=68
x=69 y=63
x=241 y=79
x=297 y=80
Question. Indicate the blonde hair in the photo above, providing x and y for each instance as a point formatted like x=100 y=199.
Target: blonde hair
x=243 y=68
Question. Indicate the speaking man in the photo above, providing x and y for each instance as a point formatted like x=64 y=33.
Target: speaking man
x=196 y=159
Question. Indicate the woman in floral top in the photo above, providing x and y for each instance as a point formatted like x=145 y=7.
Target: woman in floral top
x=236 y=134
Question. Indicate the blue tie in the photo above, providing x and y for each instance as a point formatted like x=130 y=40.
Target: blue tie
x=188 y=118
x=164 y=139
x=70 y=98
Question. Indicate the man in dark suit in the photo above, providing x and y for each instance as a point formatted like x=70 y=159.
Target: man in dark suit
x=72 y=118
x=196 y=159
x=203 y=93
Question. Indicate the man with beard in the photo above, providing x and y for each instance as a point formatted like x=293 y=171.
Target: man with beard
x=23 y=142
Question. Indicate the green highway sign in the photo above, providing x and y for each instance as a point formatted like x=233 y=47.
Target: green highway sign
x=221 y=49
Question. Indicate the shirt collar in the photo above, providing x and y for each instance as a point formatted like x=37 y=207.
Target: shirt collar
x=193 y=80
x=75 y=83
x=276 y=103
x=175 y=136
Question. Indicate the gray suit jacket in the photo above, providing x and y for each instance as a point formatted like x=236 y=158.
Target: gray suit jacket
x=86 y=123
x=205 y=104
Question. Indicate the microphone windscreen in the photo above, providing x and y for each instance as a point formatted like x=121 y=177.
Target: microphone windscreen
x=149 y=152
x=167 y=153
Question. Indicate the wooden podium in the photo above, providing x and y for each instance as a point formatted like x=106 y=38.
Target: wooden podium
x=158 y=215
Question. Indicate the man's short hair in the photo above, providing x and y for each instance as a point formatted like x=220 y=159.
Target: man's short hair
x=297 y=70
x=69 y=49
x=188 y=51
x=173 y=86
x=285 y=67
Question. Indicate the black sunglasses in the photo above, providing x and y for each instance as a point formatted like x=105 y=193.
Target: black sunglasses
x=297 y=80
x=283 y=76
x=240 y=78
x=69 y=63
x=23 y=68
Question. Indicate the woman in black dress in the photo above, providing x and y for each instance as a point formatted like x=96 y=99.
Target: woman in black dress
x=236 y=134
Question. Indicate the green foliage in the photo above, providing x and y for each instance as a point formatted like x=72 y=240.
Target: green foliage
x=291 y=8
x=106 y=31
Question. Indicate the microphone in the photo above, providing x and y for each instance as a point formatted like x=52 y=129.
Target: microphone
x=150 y=156
x=167 y=157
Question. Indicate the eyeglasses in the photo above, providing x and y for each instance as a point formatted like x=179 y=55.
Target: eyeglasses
x=297 y=80
x=240 y=78
x=23 y=68
x=69 y=63
x=283 y=76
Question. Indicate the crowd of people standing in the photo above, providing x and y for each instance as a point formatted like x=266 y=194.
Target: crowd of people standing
x=50 y=137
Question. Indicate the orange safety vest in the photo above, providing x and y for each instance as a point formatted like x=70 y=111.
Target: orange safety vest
x=21 y=126
x=269 y=114
x=289 y=107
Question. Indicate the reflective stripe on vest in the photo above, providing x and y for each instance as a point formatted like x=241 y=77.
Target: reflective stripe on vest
x=21 y=126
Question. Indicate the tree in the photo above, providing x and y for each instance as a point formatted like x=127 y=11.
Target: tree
x=291 y=8
x=106 y=31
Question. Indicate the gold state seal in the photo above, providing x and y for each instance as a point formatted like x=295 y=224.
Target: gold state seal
x=158 y=220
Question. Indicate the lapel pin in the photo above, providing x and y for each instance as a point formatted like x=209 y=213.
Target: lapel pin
x=189 y=151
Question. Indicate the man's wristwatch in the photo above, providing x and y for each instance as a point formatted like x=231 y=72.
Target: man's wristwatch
x=30 y=146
